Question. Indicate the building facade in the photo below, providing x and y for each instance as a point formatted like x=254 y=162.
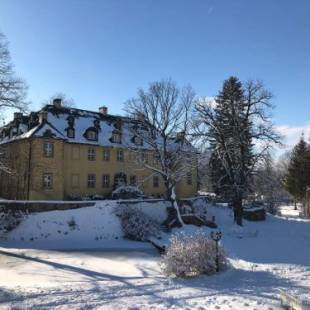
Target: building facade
x=63 y=153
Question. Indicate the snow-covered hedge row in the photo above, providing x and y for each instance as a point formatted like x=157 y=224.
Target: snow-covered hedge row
x=192 y=255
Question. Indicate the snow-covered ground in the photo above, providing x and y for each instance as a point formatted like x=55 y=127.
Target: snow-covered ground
x=289 y=211
x=264 y=256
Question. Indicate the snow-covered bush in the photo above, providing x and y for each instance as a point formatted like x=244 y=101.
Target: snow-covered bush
x=72 y=224
x=136 y=224
x=192 y=255
x=10 y=219
x=127 y=192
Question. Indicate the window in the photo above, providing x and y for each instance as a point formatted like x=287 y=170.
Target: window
x=120 y=179
x=105 y=181
x=75 y=181
x=156 y=159
x=48 y=149
x=106 y=154
x=75 y=152
x=133 y=180
x=120 y=155
x=138 y=140
x=189 y=159
x=70 y=133
x=91 y=181
x=92 y=135
x=144 y=157
x=47 y=181
x=91 y=154
x=116 y=137
x=189 y=179
x=155 y=181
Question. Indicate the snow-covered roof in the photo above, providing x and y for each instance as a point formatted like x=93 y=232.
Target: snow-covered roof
x=55 y=122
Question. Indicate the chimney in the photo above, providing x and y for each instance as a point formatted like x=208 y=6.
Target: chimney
x=103 y=110
x=57 y=103
x=43 y=116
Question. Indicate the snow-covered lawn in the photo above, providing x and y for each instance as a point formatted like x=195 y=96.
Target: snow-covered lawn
x=264 y=257
x=289 y=211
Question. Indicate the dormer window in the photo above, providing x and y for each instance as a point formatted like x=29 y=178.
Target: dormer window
x=97 y=123
x=71 y=133
x=116 y=137
x=138 y=140
x=91 y=134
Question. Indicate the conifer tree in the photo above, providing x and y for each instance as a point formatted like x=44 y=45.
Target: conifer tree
x=238 y=121
x=297 y=178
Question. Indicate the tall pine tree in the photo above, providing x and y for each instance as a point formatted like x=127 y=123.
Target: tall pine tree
x=238 y=121
x=231 y=145
x=297 y=178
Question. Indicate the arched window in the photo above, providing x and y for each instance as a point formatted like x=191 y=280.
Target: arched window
x=91 y=134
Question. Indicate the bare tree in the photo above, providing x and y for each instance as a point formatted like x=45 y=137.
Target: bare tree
x=12 y=89
x=240 y=132
x=268 y=185
x=162 y=114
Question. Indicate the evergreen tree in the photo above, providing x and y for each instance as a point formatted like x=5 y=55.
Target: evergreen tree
x=233 y=142
x=297 y=178
x=238 y=121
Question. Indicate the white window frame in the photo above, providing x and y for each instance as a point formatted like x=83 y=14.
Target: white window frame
x=106 y=154
x=116 y=137
x=91 y=154
x=120 y=155
x=92 y=135
x=71 y=130
x=48 y=149
x=47 y=180
x=91 y=180
x=105 y=180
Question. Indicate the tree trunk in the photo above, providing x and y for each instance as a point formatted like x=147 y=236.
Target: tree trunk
x=237 y=206
x=295 y=204
x=171 y=196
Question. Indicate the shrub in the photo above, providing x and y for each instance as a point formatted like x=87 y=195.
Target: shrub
x=10 y=219
x=136 y=224
x=193 y=255
x=127 y=192
x=72 y=224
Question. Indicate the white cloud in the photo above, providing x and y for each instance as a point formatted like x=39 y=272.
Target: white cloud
x=292 y=134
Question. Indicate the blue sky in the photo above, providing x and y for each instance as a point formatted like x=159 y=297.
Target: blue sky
x=100 y=52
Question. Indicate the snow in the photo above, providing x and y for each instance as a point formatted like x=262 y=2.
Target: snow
x=289 y=211
x=95 y=227
x=264 y=257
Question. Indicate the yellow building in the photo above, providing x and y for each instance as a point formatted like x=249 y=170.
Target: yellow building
x=60 y=153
